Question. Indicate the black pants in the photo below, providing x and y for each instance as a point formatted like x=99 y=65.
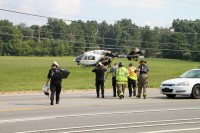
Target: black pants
x=114 y=85
x=132 y=86
x=99 y=85
x=55 y=87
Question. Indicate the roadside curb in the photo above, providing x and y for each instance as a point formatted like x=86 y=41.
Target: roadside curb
x=63 y=91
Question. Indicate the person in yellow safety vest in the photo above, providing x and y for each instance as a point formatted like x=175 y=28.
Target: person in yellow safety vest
x=121 y=79
x=132 y=79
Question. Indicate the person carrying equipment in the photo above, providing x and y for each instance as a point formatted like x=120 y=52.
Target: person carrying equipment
x=121 y=79
x=132 y=78
x=55 y=82
x=143 y=79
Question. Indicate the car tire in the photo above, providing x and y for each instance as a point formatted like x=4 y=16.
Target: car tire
x=196 y=92
x=171 y=95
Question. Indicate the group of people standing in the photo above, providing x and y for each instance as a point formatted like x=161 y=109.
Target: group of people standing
x=120 y=76
x=135 y=77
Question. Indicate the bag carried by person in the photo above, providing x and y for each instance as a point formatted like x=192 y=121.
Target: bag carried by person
x=60 y=73
x=46 y=89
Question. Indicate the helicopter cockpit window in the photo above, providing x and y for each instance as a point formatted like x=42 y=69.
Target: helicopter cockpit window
x=85 y=58
x=91 y=57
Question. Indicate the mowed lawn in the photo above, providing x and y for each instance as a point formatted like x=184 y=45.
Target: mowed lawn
x=30 y=73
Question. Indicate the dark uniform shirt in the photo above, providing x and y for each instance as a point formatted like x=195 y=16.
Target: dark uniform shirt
x=99 y=72
x=143 y=69
x=52 y=71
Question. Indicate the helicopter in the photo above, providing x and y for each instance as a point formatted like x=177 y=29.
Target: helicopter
x=93 y=57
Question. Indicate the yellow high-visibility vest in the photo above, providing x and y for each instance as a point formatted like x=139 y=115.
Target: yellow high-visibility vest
x=132 y=73
x=121 y=75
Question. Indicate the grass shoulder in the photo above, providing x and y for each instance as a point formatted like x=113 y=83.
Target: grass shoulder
x=28 y=74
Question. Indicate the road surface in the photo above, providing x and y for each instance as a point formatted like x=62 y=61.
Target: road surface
x=82 y=112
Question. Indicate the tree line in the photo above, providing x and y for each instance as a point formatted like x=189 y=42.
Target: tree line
x=57 y=38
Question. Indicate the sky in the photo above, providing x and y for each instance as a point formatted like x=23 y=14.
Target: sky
x=160 y=13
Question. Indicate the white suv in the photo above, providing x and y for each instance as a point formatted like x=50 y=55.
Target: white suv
x=186 y=84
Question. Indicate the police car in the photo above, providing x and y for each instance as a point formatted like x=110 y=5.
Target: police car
x=186 y=84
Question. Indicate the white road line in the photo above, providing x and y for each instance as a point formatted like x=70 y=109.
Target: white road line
x=106 y=125
x=115 y=128
x=174 y=130
x=95 y=114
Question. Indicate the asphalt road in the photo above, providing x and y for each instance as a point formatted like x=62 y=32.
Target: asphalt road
x=80 y=112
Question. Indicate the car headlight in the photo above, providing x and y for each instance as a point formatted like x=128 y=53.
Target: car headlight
x=186 y=83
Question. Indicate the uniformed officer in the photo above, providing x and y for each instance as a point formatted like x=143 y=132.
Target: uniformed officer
x=143 y=79
x=99 y=70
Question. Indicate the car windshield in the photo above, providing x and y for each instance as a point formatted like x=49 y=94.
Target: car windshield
x=191 y=74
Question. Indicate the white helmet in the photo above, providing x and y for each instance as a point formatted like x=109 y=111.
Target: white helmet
x=55 y=63
x=136 y=49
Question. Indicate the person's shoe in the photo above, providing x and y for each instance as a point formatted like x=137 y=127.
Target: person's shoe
x=102 y=96
x=121 y=95
x=114 y=95
x=57 y=102
x=138 y=96
x=134 y=93
x=97 y=96
x=130 y=95
x=144 y=97
x=51 y=103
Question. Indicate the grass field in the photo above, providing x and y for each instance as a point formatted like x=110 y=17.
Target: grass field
x=29 y=73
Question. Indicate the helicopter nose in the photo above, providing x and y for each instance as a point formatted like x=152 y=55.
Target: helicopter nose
x=77 y=60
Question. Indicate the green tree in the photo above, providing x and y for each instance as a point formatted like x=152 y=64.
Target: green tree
x=164 y=40
x=57 y=27
x=196 y=51
x=127 y=35
x=176 y=47
x=103 y=30
x=90 y=34
x=149 y=40
x=26 y=31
